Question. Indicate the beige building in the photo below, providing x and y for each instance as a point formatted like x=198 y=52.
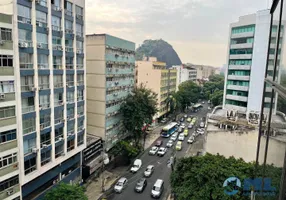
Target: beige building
x=110 y=78
x=154 y=75
x=203 y=71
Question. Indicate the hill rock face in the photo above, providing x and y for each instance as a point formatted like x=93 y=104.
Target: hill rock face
x=160 y=49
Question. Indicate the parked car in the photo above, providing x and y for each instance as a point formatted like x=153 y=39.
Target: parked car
x=162 y=151
x=136 y=165
x=153 y=150
x=202 y=124
x=120 y=185
x=183 y=126
x=191 y=140
x=174 y=136
x=181 y=137
x=186 y=132
x=190 y=126
x=159 y=143
x=140 y=185
x=179 y=146
x=169 y=143
x=149 y=170
x=164 y=120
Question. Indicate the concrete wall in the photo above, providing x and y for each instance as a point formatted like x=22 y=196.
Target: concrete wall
x=244 y=146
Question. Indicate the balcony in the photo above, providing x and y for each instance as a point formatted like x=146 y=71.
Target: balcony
x=57 y=47
x=58 y=85
x=69 y=31
x=79 y=51
x=69 y=66
x=116 y=95
x=242 y=35
x=79 y=83
x=24 y=20
x=79 y=34
x=80 y=128
x=234 y=107
x=241 y=46
x=56 y=28
x=43 y=66
x=79 y=16
x=272 y=56
x=25 y=44
x=29 y=130
x=42 y=46
x=41 y=24
x=70 y=116
x=26 y=66
x=42 y=3
x=58 y=103
x=57 y=66
x=59 y=120
x=59 y=137
x=237 y=87
x=28 y=109
x=8 y=169
x=80 y=113
x=80 y=98
x=44 y=86
x=267 y=99
x=45 y=143
x=70 y=83
x=6 y=71
x=120 y=83
x=239 y=67
x=68 y=12
x=8 y=145
x=5 y=194
x=236 y=98
x=69 y=49
x=45 y=125
x=28 y=88
x=119 y=71
x=7 y=97
x=240 y=56
x=44 y=105
x=79 y=66
x=236 y=77
x=56 y=8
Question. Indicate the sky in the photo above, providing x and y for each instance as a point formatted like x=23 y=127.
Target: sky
x=197 y=29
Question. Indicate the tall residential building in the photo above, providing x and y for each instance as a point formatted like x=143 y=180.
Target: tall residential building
x=184 y=73
x=154 y=75
x=203 y=71
x=247 y=59
x=44 y=68
x=110 y=78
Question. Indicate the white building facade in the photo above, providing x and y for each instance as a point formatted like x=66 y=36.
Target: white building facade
x=48 y=80
x=184 y=73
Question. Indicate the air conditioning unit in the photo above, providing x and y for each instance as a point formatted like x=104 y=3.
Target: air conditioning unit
x=60 y=48
x=39 y=45
x=34 y=150
x=23 y=44
x=45 y=146
x=2 y=96
x=10 y=192
x=60 y=138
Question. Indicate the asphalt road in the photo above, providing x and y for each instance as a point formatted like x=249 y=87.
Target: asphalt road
x=161 y=170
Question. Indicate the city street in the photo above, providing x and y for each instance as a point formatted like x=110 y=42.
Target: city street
x=161 y=170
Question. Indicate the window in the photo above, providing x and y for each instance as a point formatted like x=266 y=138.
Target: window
x=59 y=151
x=70 y=96
x=56 y=4
x=70 y=112
x=56 y=23
x=42 y=40
x=80 y=110
x=26 y=60
x=44 y=82
x=45 y=121
x=30 y=165
x=58 y=99
x=24 y=14
x=8 y=183
x=59 y=115
x=68 y=8
x=27 y=82
x=6 y=34
x=6 y=61
x=80 y=78
x=68 y=25
x=79 y=62
x=7 y=136
x=8 y=160
x=43 y=61
x=57 y=62
x=57 y=40
x=45 y=157
x=79 y=12
x=69 y=62
x=45 y=139
x=80 y=139
x=79 y=30
x=6 y=86
x=69 y=43
x=41 y=17
x=70 y=79
x=70 y=145
x=25 y=35
x=6 y=112
x=243 y=29
x=70 y=128
x=44 y=101
x=59 y=134
x=58 y=81
x=80 y=95
x=28 y=104
x=79 y=45
x=29 y=145
x=29 y=125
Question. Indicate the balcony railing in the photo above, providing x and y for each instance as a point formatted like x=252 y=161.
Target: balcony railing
x=79 y=50
x=41 y=24
x=27 y=88
x=70 y=148
x=56 y=8
x=31 y=169
x=70 y=83
x=79 y=34
x=58 y=85
x=59 y=137
x=80 y=113
x=80 y=98
x=47 y=160
x=79 y=66
x=43 y=66
x=43 y=86
x=56 y=28
x=69 y=66
x=46 y=142
x=44 y=105
x=59 y=153
x=28 y=109
x=28 y=130
x=79 y=16
x=59 y=120
x=70 y=116
x=26 y=65
x=57 y=66
x=69 y=49
x=41 y=45
x=68 y=12
x=80 y=82
x=69 y=31
x=58 y=103
x=45 y=125
x=24 y=20
x=25 y=43
x=57 y=47
x=80 y=128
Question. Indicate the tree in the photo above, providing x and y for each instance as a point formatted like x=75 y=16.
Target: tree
x=217 y=97
x=66 y=192
x=137 y=110
x=202 y=177
x=216 y=82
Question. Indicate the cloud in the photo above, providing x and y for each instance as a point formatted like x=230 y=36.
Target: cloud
x=199 y=25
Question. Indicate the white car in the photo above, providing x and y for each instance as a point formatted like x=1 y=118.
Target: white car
x=174 y=137
x=136 y=165
x=153 y=150
x=181 y=137
x=200 y=132
x=183 y=126
x=191 y=140
x=120 y=185
x=170 y=143
x=202 y=124
x=149 y=170
x=162 y=151
x=185 y=116
x=190 y=126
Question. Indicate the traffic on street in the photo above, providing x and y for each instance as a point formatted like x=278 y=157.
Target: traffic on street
x=149 y=177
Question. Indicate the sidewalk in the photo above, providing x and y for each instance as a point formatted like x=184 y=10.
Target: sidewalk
x=94 y=186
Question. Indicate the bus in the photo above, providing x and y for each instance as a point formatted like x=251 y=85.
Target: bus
x=169 y=129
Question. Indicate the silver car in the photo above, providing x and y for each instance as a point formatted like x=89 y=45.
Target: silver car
x=120 y=185
x=170 y=143
x=149 y=170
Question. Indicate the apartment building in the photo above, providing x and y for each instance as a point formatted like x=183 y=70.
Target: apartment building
x=184 y=73
x=43 y=95
x=110 y=78
x=203 y=71
x=154 y=75
x=247 y=60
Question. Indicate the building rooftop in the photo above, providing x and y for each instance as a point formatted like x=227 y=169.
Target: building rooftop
x=91 y=139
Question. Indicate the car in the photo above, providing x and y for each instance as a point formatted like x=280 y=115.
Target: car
x=174 y=136
x=120 y=185
x=182 y=119
x=162 y=151
x=191 y=140
x=164 y=120
x=149 y=170
x=202 y=124
x=179 y=146
x=190 y=126
x=178 y=123
x=183 y=126
x=157 y=189
x=159 y=143
x=153 y=150
x=180 y=129
x=140 y=185
x=169 y=143
x=203 y=102
x=181 y=137
x=185 y=116
x=186 y=132
x=209 y=108
x=136 y=165
x=192 y=123
x=201 y=132
x=189 y=119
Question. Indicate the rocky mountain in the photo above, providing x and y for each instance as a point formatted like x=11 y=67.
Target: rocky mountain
x=160 y=49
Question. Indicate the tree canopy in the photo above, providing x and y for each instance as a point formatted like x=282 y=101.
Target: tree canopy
x=215 y=83
x=202 y=177
x=138 y=109
x=217 y=97
x=66 y=192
